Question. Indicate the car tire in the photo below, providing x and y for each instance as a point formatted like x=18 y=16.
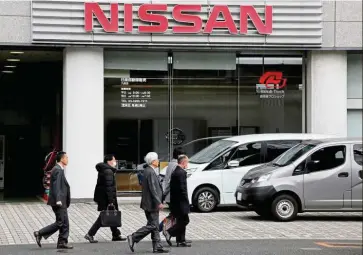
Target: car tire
x=264 y=211
x=284 y=208
x=205 y=199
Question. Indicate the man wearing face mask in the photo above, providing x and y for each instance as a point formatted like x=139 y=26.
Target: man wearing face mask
x=179 y=203
x=105 y=196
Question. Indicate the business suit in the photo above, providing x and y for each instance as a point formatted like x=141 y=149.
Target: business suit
x=152 y=194
x=59 y=190
x=179 y=203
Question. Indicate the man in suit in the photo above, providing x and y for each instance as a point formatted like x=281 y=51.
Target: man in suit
x=59 y=199
x=151 y=203
x=179 y=202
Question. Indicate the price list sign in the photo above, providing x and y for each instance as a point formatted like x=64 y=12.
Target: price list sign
x=134 y=98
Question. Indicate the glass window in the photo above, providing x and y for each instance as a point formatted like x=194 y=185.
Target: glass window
x=327 y=158
x=136 y=98
x=270 y=93
x=209 y=153
x=358 y=154
x=204 y=96
x=248 y=154
x=293 y=154
x=276 y=148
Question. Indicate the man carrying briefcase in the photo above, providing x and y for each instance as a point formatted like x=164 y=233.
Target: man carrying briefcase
x=106 y=199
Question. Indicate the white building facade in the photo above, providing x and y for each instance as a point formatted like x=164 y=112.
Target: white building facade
x=109 y=43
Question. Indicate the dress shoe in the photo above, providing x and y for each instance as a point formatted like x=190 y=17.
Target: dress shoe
x=183 y=244
x=188 y=241
x=160 y=250
x=90 y=238
x=38 y=238
x=118 y=238
x=64 y=246
x=131 y=243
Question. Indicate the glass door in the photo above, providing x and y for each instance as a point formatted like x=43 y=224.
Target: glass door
x=136 y=111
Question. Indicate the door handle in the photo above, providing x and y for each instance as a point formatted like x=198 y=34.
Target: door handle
x=343 y=174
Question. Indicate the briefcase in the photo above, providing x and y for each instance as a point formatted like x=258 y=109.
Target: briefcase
x=110 y=218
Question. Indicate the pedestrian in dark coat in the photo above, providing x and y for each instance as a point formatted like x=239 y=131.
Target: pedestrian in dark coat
x=105 y=196
x=151 y=203
x=59 y=199
x=179 y=202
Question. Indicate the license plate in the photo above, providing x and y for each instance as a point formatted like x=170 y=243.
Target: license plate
x=239 y=196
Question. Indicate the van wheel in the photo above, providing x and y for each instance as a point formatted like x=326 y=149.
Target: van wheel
x=205 y=199
x=264 y=211
x=284 y=208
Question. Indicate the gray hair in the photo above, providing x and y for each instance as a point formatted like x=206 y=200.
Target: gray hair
x=150 y=157
x=181 y=158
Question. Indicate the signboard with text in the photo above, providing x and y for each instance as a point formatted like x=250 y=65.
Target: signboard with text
x=271 y=85
x=272 y=23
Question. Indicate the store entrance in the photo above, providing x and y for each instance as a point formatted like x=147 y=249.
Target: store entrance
x=129 y=140
x=30 y=93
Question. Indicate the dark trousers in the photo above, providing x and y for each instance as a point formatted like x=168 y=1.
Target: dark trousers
x=61 y=224
x=97 y=225
x=152 y=227
x=179 y=229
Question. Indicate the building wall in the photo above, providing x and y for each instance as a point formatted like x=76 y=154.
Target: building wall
x=354 y=95
x=341 y=22
x=15 y=22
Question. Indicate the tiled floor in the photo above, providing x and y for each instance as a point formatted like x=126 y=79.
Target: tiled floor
x=19 y=220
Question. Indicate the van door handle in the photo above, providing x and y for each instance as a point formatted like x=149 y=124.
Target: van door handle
x=344 y=174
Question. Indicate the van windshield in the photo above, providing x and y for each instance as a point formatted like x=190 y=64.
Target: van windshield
x=209 y=153
x=292 y=154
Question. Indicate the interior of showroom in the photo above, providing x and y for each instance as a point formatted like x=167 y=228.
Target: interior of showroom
x=30 y=90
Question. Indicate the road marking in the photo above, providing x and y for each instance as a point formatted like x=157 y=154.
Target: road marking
x=340 y=245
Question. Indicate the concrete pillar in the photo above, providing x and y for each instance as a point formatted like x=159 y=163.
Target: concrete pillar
x=326 y=92
x=83 y=123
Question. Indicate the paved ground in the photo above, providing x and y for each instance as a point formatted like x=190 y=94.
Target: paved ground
x=247 y=247
x=19 y=220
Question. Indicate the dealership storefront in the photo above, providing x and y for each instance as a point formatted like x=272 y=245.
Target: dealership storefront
x=141 y=77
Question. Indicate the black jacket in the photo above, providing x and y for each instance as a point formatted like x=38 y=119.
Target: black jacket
x=179 y=201
x=105 y=191
x=59 y=189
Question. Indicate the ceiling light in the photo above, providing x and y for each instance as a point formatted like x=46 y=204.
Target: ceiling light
x=9 y=66
x=16 y=52
x=6 y=71
x=13 y=60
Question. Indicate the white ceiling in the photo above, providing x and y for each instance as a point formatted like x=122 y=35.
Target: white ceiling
x=31 y=56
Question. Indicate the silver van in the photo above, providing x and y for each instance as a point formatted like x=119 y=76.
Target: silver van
x=315 y=175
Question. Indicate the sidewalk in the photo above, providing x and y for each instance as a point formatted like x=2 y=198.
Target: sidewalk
x=18 y=221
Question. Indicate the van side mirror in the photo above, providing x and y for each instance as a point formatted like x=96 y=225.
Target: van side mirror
x=233 y=164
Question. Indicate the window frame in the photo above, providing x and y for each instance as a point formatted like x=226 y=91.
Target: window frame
x=308 y=158
x=354 y=158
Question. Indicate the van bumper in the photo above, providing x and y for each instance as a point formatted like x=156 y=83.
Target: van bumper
x=253 y=196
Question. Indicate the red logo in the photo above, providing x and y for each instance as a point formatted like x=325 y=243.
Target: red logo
x=187 y=17
x=273 y=80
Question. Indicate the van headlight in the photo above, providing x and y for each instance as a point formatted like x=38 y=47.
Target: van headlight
x=190 y=171
x=262 y=178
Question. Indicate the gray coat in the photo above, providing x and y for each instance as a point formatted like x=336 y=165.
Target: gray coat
x=166 y=183
x=152 y=192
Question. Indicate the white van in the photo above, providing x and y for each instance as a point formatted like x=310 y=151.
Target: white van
x=215 y=172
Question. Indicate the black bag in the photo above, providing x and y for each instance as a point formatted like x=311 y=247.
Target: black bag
x=110 y=218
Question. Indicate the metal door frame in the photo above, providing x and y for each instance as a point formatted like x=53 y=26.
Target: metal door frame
x=2 y=137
